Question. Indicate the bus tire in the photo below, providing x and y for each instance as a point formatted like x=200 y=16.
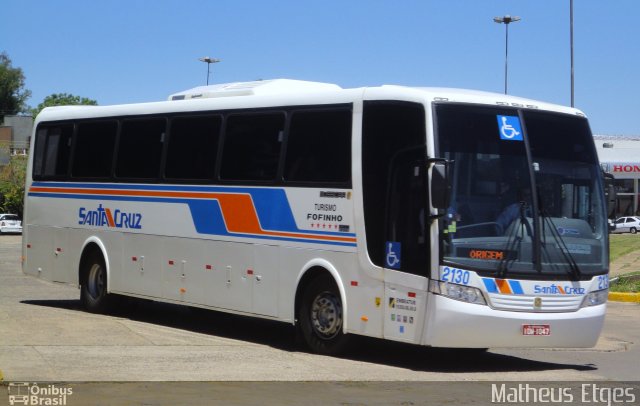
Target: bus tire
x=93 y=284
x=321 y=317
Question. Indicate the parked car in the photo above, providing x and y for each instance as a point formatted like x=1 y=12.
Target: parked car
x=627 y=225
x=10 y=223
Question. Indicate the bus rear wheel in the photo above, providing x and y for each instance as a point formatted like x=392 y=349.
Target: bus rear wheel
x=93 y=284
x=321 y=317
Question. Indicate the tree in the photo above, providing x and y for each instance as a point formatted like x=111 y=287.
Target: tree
x=63 y=99
x=12 y=177
x=13 y=95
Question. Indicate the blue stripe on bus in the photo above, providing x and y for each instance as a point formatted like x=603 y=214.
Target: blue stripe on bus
x=516 y=288
x=490 y=284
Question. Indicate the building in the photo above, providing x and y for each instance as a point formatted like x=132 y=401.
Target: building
x=14 y=134
x=620 y=156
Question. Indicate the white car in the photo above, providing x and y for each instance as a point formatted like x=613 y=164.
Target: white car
x=10 y=223
x=627 y=225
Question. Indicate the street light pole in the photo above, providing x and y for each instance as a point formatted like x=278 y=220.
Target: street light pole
x=506 y=20
x=571 y=40
x=209 y=61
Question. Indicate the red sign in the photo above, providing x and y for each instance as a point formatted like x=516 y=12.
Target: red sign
x=536 y=330
x=626 y=168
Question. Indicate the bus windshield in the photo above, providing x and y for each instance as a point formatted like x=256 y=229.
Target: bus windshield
x=526 y=195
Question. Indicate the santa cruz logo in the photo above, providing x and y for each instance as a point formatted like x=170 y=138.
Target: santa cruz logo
x=105 y=217
x=558 y=290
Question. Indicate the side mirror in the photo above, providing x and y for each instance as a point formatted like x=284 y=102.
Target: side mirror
x=440 y=186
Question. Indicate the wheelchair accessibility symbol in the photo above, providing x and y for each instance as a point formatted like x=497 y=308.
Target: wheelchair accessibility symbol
x=392 y=258
x=510 y=128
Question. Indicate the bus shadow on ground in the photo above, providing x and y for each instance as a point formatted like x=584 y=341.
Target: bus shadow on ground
x=282 y=336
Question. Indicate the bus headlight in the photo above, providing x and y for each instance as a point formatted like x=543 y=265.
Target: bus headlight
x=596 y=298
x=458 y=292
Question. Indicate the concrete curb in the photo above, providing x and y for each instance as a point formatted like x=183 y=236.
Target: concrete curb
x=624 y=297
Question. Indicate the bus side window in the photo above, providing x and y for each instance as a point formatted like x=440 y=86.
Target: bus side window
x=140 y=138
x=319 y=147
x=94 y=148
x=193 y=148
x=53 y=149
x=252 y=144
x=38 y=157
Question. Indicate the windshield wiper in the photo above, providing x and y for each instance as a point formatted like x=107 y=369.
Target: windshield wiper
x=573 y=265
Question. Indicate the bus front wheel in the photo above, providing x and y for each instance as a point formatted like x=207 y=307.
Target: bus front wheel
x=321 y=317
x=93 y=284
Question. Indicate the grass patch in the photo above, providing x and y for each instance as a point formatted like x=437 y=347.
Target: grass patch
x=622 y=244
x=629 y=283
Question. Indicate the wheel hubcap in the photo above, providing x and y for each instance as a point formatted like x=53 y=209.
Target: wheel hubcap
x=96 y=285
x=326 y=315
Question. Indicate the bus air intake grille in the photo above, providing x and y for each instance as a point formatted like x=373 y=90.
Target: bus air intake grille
x=543 y=304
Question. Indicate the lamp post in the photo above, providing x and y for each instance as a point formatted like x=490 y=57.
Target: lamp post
x=506 y=20
x=209 y=61
x=571 y=40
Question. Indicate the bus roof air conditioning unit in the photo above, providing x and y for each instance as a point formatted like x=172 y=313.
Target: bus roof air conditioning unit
x=256 y=88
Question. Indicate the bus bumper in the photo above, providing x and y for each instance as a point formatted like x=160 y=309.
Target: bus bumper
x=456 y=324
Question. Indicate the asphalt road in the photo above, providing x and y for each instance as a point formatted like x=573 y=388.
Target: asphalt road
x=46 y=337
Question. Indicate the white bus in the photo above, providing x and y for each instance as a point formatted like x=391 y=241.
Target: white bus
x=438 y=217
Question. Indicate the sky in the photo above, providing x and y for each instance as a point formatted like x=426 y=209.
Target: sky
x=130 y=51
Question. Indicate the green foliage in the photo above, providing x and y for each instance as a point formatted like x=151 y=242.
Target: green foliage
x=12 y=179
x=629 y=283
x=13 y=95
x=63 y=99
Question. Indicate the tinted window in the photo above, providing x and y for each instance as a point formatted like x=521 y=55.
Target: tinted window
x=140 y=148
x=319 y=147
x=38 y=155
x=93 y=155
x=560 y=137
x=193 y=146
x=53 y=147
x=393 y=133
x=252 y=146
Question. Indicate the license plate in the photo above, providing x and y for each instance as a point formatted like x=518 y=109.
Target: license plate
x=536 y=330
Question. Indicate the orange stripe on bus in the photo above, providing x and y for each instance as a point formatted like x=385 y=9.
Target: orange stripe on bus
x=110 y=218
x=239 y=213
x=503 y=286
